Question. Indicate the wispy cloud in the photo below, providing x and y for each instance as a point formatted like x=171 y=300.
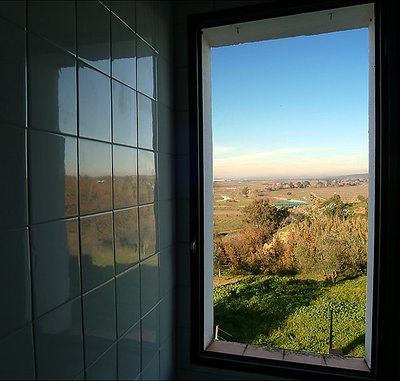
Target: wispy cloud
x=292 y=161
x=257 y=156
x=217 y=149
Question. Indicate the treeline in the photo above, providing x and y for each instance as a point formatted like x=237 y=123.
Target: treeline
x=327 y=241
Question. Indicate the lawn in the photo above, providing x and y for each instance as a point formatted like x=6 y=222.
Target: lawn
x=291 y=313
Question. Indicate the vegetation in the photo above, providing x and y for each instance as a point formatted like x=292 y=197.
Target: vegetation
x=285 y=312
x=327 y=240
x=299 y=263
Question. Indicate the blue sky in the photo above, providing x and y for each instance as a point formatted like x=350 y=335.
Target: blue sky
x=291 y=107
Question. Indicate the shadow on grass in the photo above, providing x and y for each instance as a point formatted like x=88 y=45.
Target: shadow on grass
x=255 y=307
x=358 y=341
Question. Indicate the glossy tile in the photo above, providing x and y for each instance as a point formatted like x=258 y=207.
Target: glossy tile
x=106 y=3
x=105 y=368
x=167 y=359
x=149 y=290
x=129 y=354
x=15 y=296
x=147 y=123
x=59 y=343
x=150 y=336
x=93 y=26
x=145 y=20
x=126 y=10
x=152 y=370
x=124 y=114
x=55 y=264
x=54 y=21
x=167 y=270
x=94 y=104
x=13 y=11
x=80 y=376
x=148 y=233
x=126 y=239
x=166 y=132
x=53 y=176
x=125 y=176
x=99 y=321
x=146 y=69
x=167 y=213
x=52 y=88
x=165 y=79
x=12 y=74
x=128 y=299
x=123 y=52
x=13 y=206
x=166 y=164
x=164 y=20
x=97 y=252
x=167 y=311
x=95 y=187
x=147 y=177
x=17 y=358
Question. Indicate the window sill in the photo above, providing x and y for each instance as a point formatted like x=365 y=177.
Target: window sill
x=307 y=358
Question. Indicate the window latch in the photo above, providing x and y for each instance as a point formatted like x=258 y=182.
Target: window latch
x=193 y=247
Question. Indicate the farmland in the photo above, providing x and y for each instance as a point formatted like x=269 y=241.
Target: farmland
x=230 y=199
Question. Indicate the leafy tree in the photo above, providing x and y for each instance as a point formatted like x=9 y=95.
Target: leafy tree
x=244 y=250
x=220 y=258
x=334 y=206
x=245 y=191
x=265 y=216
x=330 y=245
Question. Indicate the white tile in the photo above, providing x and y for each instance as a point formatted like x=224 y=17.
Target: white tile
x=165 y=176
x=152 y=370
x=167 y=316
x=164 y=29
x=150 y=337
x=167 y=359
x=165 y=79
x=166 y=129
x=149 y=279
x=167 y=270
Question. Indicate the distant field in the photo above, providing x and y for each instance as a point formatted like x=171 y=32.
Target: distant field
x=229 y=199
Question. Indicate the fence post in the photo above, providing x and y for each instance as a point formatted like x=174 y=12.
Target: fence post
x=330 y=329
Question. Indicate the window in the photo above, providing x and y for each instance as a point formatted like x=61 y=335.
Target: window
x=255 y=23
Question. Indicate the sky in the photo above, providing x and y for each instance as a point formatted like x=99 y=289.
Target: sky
x=293 y=107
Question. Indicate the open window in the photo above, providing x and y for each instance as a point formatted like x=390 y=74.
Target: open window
x=272 y=21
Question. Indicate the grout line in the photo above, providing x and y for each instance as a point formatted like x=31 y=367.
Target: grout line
x=79 y=193
x=27 y=196
x=111 y=103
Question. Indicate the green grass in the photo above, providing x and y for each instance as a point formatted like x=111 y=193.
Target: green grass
x=293 y=313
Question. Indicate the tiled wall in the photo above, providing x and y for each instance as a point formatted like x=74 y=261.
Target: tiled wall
x=86 y=196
